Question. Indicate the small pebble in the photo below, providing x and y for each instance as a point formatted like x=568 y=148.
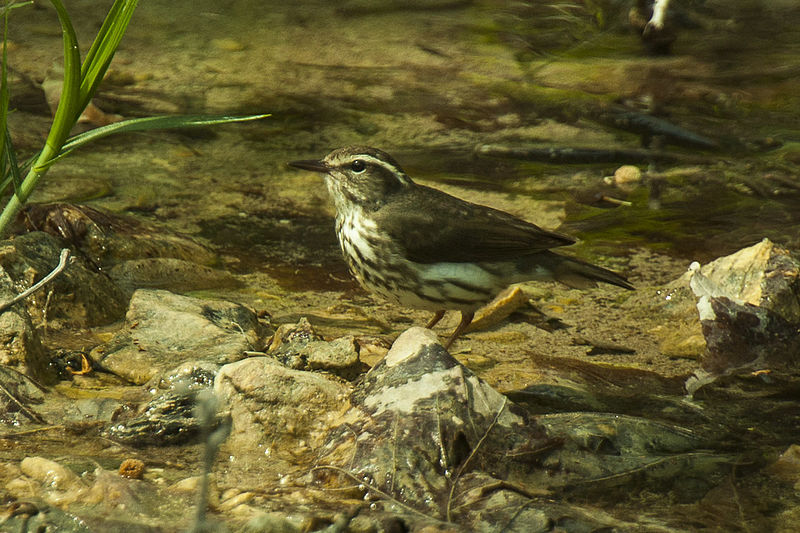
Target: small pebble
x=132 y=469
x=228 y=45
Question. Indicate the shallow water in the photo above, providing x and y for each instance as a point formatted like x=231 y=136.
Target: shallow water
x=431 y=83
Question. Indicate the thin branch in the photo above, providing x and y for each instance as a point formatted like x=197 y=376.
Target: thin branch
x=33 y=415
x=373 y=488
x=472 y=454
x=62 y=264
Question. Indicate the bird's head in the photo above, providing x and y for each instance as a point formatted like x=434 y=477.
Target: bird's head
x=358 y=176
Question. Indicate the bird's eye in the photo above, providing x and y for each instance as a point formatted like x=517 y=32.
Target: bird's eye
x=358 y=166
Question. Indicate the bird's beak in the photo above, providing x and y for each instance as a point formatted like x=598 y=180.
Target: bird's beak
x=310 y=164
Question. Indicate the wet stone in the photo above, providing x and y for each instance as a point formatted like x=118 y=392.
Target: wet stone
x=107 y=239
x=299 y=347
x=81 y=296
x=20 y=345
x=20 y=397
x=162 y=329
x=267 y=401
x=29 y=516
x=170 y=418
x=167 y=420
x=425 y=431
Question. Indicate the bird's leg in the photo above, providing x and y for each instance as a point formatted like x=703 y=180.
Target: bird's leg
x=435 y=320
x=466 y=318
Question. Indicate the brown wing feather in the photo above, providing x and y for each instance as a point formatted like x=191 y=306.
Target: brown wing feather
x=435 y=227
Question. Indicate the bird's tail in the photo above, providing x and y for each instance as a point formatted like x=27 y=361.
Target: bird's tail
x=579 y=274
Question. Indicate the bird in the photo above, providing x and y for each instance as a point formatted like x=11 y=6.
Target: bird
x=422 y=248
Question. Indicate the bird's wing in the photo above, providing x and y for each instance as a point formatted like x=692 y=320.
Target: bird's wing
x=436 y=227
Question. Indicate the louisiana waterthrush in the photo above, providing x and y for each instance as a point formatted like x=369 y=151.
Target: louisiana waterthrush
x=425 y=249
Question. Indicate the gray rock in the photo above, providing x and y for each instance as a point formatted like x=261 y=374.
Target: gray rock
x=339 y=356
x=172 y=417
x=300 y=347
x=168 y=419
x=268 y=401
x=163 y=329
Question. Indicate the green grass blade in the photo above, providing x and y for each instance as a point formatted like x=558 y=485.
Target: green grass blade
x=4 y=97
x=3 y=111
x=67 y=111
x=11 y=159
x=104 y=47
x=108 y=23
x=5 y=9
x=145 y=124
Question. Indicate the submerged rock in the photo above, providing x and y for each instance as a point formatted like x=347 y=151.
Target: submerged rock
x=79 y=297
x=163 y=329
x=171 y=417
x=169 y=273
x=18 y=397
x=108 y=238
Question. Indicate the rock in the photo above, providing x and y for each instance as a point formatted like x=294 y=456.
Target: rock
x=299 y=347
x=191 y=375
x=169 y=273
x=171 y=417
x=290 y=340
x=765 y=275
x=50 y=473
x=787 y=466
x=424 y=431
x=20 y=345
x=19 y=394
x=29 y=516
x=107 y=239
x=163 y=329
x=58 y=485
x=80 y=297
x=421 y=420
x=270 y=523
x=627 y=177
x=756 y=285
x=749 y=308
x=167 y=420
x=268 y=401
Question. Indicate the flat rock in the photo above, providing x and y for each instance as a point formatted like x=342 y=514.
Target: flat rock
x=163 y=329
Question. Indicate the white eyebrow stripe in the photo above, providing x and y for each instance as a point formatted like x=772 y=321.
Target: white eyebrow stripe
x=378 y=162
